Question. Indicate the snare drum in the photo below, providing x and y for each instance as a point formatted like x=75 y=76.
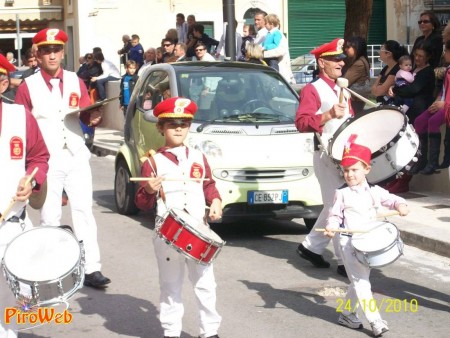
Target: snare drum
x=190 y=236
x=378 y=247
x=386 y=132
x=45 y=264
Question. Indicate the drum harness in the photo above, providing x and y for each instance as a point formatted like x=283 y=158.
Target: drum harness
x=17 y=219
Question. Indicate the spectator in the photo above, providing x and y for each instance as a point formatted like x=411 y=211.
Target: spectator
x=12 y=60
x=284 y=59
x=222 y=44
x=430 y=26
x=127 y=84
x=357 y=70
x=123 y=52
x=254 y=54
x=201 y=53
x=136 y=52
x=182 y=28
x=180 y=51
x=390 y=52
x=273 y=38
x=191 y=40
x=159 y=55
x=149 y=59
x=404 y=77
x=260 y=24
x=172 y=34
x=168 y=45
x=110 y=73
x=92 y=69
x=248 y=36
x=201 y=36
x=31 y=61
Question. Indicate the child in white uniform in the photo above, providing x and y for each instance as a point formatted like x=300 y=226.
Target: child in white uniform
x=176 y=160
x=355 y=207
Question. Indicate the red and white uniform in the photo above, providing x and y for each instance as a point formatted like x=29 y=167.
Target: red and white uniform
x=69 y=162
x=355 y=207
x=192 y=196
x=316 y=98
x=22 y=148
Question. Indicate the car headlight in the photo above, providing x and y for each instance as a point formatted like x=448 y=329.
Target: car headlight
x=209 y=148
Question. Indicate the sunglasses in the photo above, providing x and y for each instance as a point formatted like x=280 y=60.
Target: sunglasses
x=46 y=50
x=168 y=44
x=423 y=21
x=199 y=49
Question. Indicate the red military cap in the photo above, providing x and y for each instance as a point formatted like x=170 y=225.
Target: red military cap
x=50 y=36
x=175 y=108
x=5 y=65
x=334 y=48
x=354 y=152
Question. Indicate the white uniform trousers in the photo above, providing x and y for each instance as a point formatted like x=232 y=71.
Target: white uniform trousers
x=171 y=266
x=330 y=179
x=8 y=231
x=359 y=291
x=73 y=173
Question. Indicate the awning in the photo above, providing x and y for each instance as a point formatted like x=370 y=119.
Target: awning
x=31 y=13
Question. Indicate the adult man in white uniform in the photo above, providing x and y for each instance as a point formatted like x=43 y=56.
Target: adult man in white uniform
x=51 y=95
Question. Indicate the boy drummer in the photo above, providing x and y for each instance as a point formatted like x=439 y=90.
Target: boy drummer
x=354 y=208
x=177 y=160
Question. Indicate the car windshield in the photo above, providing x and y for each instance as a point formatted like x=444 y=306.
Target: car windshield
x=244 y=96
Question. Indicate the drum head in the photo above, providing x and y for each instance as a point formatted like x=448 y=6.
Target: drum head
x=195 y=225
x=381 y=237
x=375 y=129
x=42 y=254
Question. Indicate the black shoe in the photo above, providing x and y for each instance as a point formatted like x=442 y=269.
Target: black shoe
x=96 y=280
x=341 y=271
x=430 y=169
x=315 y=259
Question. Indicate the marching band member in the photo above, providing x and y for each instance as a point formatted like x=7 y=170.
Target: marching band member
x=51 y=95
x=175 y=159
x=22 y=149
x=355 y=206
x=321 y=111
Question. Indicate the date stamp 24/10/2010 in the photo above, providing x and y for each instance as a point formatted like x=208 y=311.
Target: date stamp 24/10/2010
x=387 y=305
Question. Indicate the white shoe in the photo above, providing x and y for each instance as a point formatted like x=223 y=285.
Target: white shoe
x=351 y=320
x=379 y=327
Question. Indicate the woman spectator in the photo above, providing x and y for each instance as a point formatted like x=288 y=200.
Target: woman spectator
x=159 y=55
x=248 y=35
x=390 y=52
x=357 y=70
x=255 y=54
x=421 y=91
x=430 y=26
x=91 y=69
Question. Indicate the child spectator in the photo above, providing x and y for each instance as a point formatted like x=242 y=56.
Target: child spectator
x=127 y=84
x=403 y=78
x=248 y=36
x=273 y=38
x=355 y=207
x=177 y=160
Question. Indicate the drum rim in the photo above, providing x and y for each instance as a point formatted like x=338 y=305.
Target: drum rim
x=395 y=239
x=77 y=263
x=348 y=121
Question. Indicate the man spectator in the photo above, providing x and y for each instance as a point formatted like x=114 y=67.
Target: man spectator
x=182 y=28
x=123 y=52
x=12 y=60
x=169 y=46
x=31 y=62
x=222 y=43
x=136 y=52
x=51 y=95
x=180 y=51
x=109 y=73
x=260 y=24
x=149 y=59
x=201 y=36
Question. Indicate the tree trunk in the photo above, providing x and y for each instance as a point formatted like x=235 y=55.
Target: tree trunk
x=358 y=17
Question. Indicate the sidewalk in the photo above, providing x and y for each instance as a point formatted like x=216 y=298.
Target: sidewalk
x=426 y=227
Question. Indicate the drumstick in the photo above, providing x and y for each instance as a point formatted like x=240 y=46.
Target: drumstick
x=342 y=83
x=342 y=230
x=181 y=179
x=362 y=98
x=390 y=213
x=13 y=200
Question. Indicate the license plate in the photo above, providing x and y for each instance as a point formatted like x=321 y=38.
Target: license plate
x=268 y=197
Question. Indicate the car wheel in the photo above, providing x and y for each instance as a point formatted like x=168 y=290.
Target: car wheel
x=124 y=190
x=309 y=223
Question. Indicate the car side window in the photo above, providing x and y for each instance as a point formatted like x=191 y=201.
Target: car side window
x=155 y=89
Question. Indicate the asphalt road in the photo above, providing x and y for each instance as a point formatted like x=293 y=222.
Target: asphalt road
x=264 y=289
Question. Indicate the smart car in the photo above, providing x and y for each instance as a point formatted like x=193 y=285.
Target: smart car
x=262 y=165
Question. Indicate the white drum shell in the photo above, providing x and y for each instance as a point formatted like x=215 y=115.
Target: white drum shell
x=379 y=247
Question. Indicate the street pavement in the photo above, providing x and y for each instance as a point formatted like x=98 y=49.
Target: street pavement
x=427 y=226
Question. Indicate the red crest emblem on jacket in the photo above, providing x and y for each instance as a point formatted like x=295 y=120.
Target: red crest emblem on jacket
x=16 y=148
x=74 y=100
x=196 y=171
